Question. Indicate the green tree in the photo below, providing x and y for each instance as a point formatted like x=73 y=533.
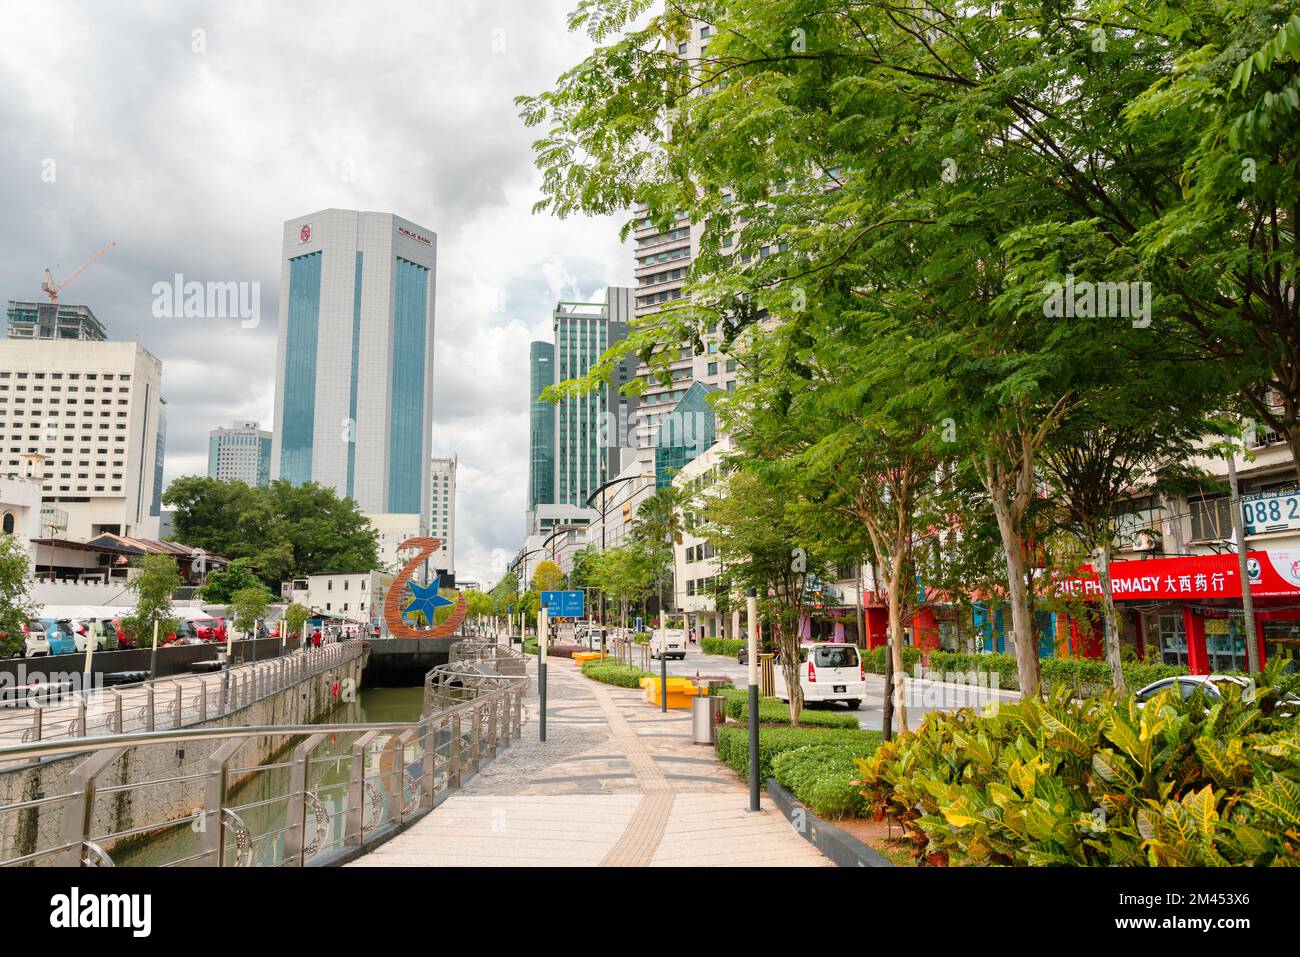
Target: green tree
x=16 y=606
x=505 y=594
x=222 y=585
x=247 y=606
x=547 y=576
x=295 y=616
x=153 y=587
x=625 y=576
x=753 y=526
x=281 y=529
x=656 y=530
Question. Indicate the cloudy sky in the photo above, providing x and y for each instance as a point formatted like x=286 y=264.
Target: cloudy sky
x=188 y=132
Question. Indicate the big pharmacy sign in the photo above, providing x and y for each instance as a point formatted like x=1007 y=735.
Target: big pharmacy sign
x=1272 y=574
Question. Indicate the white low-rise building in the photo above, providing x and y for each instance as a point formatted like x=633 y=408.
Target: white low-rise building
x=355 y=596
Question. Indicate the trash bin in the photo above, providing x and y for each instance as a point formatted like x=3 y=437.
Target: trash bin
x=706 y=715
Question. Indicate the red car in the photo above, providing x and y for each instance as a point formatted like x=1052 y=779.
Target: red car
x=209 y=629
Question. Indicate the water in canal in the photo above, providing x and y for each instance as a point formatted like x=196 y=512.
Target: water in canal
x=260 y=801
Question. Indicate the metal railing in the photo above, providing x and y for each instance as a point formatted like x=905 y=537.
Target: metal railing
x=313 y=801
x=160 y=703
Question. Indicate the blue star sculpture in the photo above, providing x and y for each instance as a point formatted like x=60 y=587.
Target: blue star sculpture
x=425 y=599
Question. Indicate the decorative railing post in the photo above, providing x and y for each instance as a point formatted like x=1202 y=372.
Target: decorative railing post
x=214 y=802
x=295 y=842
x=475 y=726
x=354 y=820
x=79 y=811
x=148 y=707
x=453 y=752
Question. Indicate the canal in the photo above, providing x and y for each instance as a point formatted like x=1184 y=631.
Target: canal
x=261 y=800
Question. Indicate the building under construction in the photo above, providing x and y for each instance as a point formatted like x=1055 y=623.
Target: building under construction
x=53 y=320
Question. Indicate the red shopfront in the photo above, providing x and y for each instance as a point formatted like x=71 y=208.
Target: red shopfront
x=1188 y=609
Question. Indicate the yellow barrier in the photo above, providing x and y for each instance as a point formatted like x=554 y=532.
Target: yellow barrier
x=680 y=691
x=582 y=657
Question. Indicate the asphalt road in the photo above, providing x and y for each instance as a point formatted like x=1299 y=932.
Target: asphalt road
x=923 y=696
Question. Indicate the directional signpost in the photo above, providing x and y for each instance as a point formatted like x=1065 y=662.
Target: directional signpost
x=563 y=604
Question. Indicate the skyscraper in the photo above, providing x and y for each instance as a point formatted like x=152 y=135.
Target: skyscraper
x=541 y=425
x=354 y=380
x=586 y=440
x=241 y=452
x=442 y=520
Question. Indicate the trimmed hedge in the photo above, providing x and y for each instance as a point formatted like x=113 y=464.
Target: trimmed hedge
x=614 y=673
x=874 y=659
x=733 y=744
x=722 y=646
x=824 y=777
x=776 y=711
x=1087 y=675
x=565 y=651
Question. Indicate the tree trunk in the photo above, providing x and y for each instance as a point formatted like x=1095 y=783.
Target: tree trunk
x=1018 y=595
x=887 y=713
x=896 y=687
x=1110 y=619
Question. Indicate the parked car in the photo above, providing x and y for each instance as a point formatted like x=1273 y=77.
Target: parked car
x=829 y=671
x=1212 y=686
x=34 y=640
x=103 y=630
x=59 y=635
x=742 y=656
x=668 y=643
x=208 y=629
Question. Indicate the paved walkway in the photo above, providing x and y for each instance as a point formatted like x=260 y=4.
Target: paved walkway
x=616 y=784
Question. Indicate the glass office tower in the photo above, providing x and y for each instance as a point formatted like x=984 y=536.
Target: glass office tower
x=354 y=377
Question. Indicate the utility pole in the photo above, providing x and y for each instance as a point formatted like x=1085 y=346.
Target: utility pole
x=1247 y=603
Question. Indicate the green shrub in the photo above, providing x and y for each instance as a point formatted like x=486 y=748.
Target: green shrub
x=874 y=659
x=960 y=664
x=733 y=744
x=776 y=711
x=722 y=646
x=614 y=673
x=824 y=777
x=1086 y=676
x=1099 y=782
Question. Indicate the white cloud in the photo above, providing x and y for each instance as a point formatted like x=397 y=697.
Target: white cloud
x=192 y=161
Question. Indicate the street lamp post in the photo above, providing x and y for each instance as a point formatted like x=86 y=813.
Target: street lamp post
x=600 y=490
x=751 y=612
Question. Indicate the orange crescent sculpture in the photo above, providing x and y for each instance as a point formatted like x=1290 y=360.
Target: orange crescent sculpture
x=393 y=601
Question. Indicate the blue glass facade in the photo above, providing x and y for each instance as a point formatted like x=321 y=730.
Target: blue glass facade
x=406 y=466
x=541 y=426
x=352 y=394
x=300 y=369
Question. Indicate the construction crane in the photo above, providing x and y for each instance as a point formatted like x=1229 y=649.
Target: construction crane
x=51 y=289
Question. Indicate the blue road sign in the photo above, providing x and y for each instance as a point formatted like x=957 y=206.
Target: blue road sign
x=562 y=604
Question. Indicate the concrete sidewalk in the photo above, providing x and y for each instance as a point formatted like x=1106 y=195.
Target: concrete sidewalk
x=616 y=784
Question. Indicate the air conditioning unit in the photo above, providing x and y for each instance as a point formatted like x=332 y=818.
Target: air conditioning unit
x=1146 y=540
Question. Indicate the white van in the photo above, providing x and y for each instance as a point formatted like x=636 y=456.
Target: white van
x=668 y=643
x=828 y=671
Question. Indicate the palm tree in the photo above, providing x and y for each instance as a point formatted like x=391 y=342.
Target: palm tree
x=657 y=528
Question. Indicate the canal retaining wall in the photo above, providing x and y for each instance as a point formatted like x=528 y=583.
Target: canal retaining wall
x=120 y=807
